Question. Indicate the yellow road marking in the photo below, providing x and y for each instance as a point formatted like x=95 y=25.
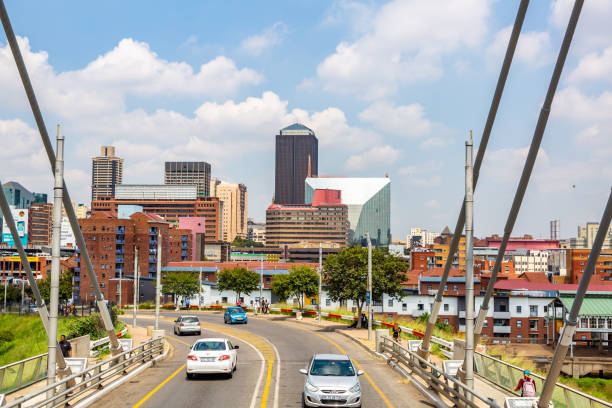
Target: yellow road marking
x=154 y=390
x=180 y=341
x=264 y=398
x=367 y=376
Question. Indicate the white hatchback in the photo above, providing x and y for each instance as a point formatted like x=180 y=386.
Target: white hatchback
x=212 y=356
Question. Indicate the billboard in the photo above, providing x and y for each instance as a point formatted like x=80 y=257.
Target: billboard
x=21 y=220
x=66 y=236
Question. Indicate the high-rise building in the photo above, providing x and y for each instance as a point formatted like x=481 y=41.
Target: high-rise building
x=555 y=229
x=40 y=224
x=256 y=231
x=586 y=237
x=214 y=183
x=369 y=205
x=419 y=237
x=20 y=197
x=107 y=172
x=234 y=210
x=182 y=172
x=297 y=157
x=325 y=222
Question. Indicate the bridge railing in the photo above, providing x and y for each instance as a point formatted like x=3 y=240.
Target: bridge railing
x=91 y=379
x=507 y=376
x=448 y=386
x=20 y=374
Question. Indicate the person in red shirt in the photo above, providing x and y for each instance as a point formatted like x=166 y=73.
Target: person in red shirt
x=526 y=385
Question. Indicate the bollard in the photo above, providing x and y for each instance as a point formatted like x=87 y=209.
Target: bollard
x=149 y=331
x=380 y=333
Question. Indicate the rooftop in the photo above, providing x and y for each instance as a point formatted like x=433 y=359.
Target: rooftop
x=355 y=190
x=296 y=129
x=594 y=303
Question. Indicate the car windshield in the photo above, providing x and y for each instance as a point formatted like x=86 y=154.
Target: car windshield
x=336 y=368
x=190 y=319
x=209 y=345
x=235 y=310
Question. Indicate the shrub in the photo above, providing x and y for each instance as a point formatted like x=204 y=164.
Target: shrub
x=146 y=305
x=82 y=326
x=6 y=336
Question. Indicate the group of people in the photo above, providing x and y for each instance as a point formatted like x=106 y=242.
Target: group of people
x=263 y=307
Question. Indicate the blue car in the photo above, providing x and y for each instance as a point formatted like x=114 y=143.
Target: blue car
x=235 y=315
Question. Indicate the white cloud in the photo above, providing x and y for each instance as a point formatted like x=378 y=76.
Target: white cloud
x=381 y=155
x=432 y=204
x=425 y=175
x=433 y=143
x=571 y=103
x=270 y=37
x=533 y=48
x=406 y=43
x=407 y=120
x=593 y=66
x=505 y=165
x=594 y=28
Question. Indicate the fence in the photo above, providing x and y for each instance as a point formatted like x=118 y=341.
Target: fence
x=506 y=375
x=22 y=373
x=91 y=379
x=437 y=380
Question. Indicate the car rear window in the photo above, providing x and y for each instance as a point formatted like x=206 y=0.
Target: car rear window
x=190 y=319
x=209 y=345
x=336 y=368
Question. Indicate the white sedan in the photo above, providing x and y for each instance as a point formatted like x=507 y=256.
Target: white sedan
x=212 y=356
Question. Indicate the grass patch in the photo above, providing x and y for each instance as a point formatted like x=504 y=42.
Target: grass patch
x=597 y=387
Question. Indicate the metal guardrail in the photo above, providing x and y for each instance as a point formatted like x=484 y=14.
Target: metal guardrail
x=507 y=375
x=91 y=379
x=20 y=374
x=104 y=340
x=457 y=393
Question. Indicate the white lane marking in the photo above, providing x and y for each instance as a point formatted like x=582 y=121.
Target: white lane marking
x=277 y=385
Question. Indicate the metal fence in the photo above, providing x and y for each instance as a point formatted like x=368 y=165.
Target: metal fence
x=436 y=379
x=507 y=376
x=22 y=373
x=91 y=379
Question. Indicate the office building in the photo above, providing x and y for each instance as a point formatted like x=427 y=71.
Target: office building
x=156 y=192
x=586 y=237
x=297 y=157
x=20 y=197
x=234 y=210
x=111 y=243
x=419 y=237
x=171 y=210
x=256 y=231
x=40 y=224
x=180 y=244
x=555 y=230
x=80 y=210
x=324 y=221
x=197 y=226
x=107 y=172
x=369 y=205
x=182 y=172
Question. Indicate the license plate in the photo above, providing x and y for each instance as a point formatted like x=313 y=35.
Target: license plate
x=334 y=397
x=207 y=359
x=238 y=318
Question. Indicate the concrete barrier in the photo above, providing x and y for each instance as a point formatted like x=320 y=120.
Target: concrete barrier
x=380 y=333
x=80 y=346
x=150 y=330
x=156 y=334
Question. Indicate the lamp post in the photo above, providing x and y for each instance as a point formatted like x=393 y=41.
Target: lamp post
x=158 y=278
x=369 y=292
x=320 y=278
x=135 y=284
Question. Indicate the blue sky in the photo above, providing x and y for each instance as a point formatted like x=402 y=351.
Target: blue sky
x=389 y=87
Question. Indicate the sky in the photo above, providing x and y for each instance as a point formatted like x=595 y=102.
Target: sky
x=391 y=87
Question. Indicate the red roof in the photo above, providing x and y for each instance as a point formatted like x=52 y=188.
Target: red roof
x=326 y=197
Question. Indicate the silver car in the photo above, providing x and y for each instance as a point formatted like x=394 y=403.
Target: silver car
x=331 y=381
x=187 y=324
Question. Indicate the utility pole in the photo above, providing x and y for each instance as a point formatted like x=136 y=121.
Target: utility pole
x=469 y=269
x=6 y=281
x=55 y=264
x=571 y=321
x=200 y=291
x=425 y=347
x=369 y=292
x=320 y=278
x=135 y=284
x=158 y=277
x=120 y=287
x=260 y=281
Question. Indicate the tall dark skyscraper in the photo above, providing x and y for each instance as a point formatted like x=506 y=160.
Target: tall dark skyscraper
x=297 y=153
x=197 y=173
x=107 y=171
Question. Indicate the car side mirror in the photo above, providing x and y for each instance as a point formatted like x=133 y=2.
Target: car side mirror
x=236 y=347
x=360 y=372
x=303 y=371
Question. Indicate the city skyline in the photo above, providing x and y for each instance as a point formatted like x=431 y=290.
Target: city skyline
x=407 y=117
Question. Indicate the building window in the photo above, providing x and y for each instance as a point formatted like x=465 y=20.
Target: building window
x=519 y=309
x=429 y=288
x=502 y=308
x=404 y=307
x=583 y=337
x=420 y=306
x=485 y=323
x=224 y=299
x=455 y=288
x=519 y=338
x=533 y=310
x=545 y=309
x=545 y=322
x=446 y=322
x=327 y=302
x=446 y=307
x=390 y=302
x=519 y=324
x=533 y=325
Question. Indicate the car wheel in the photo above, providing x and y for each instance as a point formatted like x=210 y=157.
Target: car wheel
x=189 y=376
x=303 y=401
x=199 y=333
x=230 y=374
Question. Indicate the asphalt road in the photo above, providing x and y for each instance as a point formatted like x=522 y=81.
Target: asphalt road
x=282 y=344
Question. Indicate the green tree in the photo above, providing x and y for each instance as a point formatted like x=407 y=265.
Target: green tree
x=13 y=293
x=239 y=280
x=177 y=284
x=346 y=273
x=300 y=282
x=246 y=243
x=65 y=287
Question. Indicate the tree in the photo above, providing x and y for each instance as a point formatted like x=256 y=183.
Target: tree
x=239 y=280
x=300 y=282
x=177 y=284
x=65 y=287
x=13 y=293
x=246 y=243
x=346 y=274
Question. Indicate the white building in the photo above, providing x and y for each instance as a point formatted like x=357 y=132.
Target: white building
x=420 y=237
x=530 y=261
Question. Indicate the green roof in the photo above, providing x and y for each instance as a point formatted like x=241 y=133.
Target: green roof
x=594 y=303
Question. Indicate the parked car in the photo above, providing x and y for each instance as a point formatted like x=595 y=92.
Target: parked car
x=331 y=380
x=235 y=314
x=210 y=356
x=187 y=324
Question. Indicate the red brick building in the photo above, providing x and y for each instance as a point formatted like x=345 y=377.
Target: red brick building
x=40 y=224
x=421 y=258
x=577 y=259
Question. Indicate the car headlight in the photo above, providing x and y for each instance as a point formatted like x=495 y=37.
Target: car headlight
x=311 y=387
x=355 y=388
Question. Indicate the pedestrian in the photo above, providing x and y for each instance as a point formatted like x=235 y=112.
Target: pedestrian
x=256 y=306
x=526 y=385
x=187 y=303
x=266 y=306
x=238 y=303
x=364 y=321
x=65 y=346
x=396 y=332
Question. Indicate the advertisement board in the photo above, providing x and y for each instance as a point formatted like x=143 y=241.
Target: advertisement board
x=67 y=237
x=21 y=220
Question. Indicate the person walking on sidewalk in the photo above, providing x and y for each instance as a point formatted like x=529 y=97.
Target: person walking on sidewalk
x=526 y=385
x=397 y=331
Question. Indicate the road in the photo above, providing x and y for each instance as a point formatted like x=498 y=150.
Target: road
x=270 y=355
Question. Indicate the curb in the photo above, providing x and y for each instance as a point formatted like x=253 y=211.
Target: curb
x=97 y=395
